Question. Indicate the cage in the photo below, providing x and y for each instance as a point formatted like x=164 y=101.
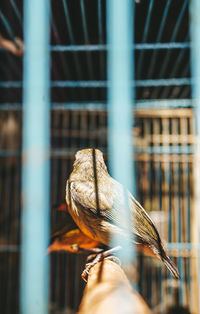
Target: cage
x=163 y=132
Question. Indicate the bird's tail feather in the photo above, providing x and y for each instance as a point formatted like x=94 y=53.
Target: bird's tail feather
x=172 y=267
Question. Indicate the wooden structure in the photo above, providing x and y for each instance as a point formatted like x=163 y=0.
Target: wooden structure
x=109 y=291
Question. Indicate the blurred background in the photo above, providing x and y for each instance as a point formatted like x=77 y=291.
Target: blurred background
x=163 y=133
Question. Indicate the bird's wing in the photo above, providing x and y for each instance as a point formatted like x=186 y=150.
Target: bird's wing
x=142 y=225
x=109 y=204
x=112 y=204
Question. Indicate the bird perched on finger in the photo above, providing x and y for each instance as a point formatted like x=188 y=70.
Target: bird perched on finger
x=96 y=203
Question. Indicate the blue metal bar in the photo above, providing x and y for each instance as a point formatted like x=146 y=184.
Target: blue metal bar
x=77 y=62
x=8 y=28
x=55 y=67
x=178 y=150
x=178 y=61
x=82 y=84
x=158 y=46
x=181 y=246
x=163 y=82
x=104 y=84
x=144 y=38
x=101 y=106
x=35 y=183
x=195 y=69
x=12 y=69
x=120 y=15
x=86 y=41
x=12 y=36
x=63 y=60
x=7 y=25
x=173 y=73
x=185 y=91
x=68 y=22
x=151 y=150
x=102 y=47
x=139 y=104
x=8 y=84
x=64 y=65
x=72 y=40
x=153 y=59
x=168 y=53
x=100 y=25
x=163 y=104
x=175 y=31
x=100 y=30
x=17 y=12
x=86 y=38
x=146 y=28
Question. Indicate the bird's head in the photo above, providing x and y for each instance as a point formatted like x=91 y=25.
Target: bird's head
x=89 y=157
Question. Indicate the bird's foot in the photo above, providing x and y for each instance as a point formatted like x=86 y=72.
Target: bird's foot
x=98 y=258
x=95 y=252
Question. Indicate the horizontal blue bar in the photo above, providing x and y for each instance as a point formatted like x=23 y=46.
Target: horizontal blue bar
x=11 y=84
x=138 y=104
x=105 y=84
x=163 y=82
x=186 y=149
x=101 y=106
x=151 y=150
x=178 y=150
x=142 y=46
x=182 y=246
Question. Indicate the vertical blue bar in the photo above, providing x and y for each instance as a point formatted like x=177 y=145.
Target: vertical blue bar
x=120 y=15
x=35 y=173
x=195 y=67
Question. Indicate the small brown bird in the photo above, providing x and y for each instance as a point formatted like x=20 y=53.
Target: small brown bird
x=96 y=203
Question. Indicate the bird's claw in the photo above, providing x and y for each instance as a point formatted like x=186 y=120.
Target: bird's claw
x=98 y=258
x=88 y=266
x=91 y=257
x=85 y=274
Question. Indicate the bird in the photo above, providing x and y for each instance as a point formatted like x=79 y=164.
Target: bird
x=96 y=203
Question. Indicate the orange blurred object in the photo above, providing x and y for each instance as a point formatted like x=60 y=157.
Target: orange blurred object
x=73 y=241
x=61 y=207
x=66 y=236
x=16 y=47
